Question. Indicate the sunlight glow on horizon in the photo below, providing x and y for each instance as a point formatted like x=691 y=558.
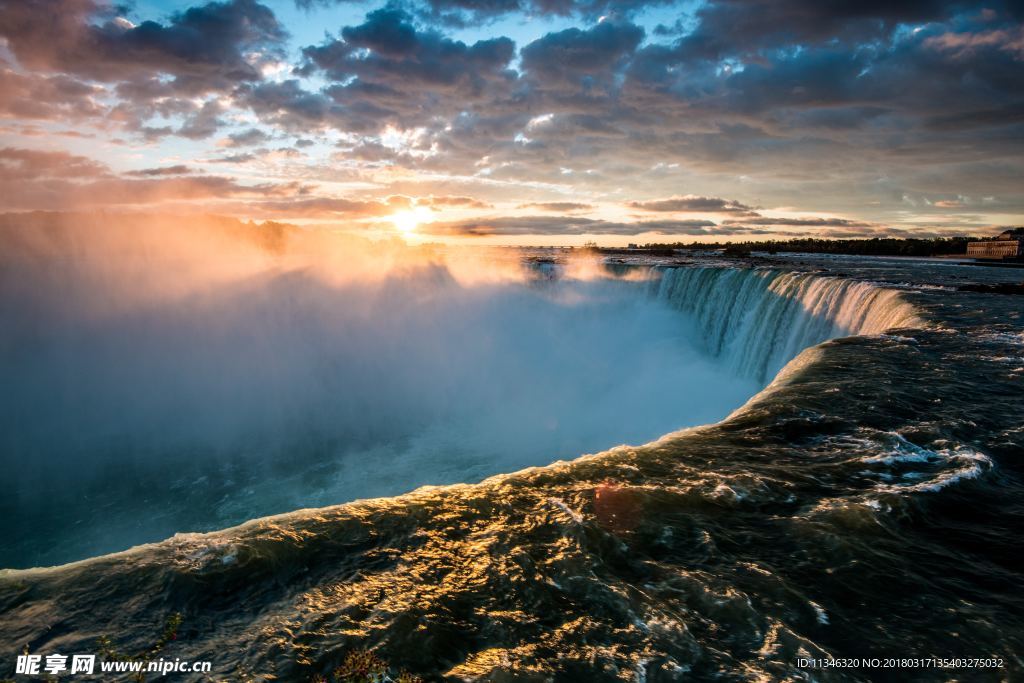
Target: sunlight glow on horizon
x=407 y=221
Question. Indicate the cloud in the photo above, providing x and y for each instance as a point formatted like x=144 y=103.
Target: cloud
x=287 y=104
x=977 y=118
x=29 y=164
x=831 y=108
x=692 y=203
x=966 y=44
x=245 y=138
x=178 y=169
x=453 y=201
x=554 y=226
x=802 y=222
x=31 y=179
x=584 y=58
x=57 y=97
x=61 y=194
x=557 y=206
x=386 y=70
x=202 y=48
x=465 y=13
x=204 y=122
x=157 y=69
x=260 y=154
x=741 y=27
x=241 y=158
x=314 y=207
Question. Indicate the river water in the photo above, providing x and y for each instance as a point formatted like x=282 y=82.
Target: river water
x=866 y=503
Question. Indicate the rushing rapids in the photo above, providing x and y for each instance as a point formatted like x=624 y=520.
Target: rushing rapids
x=865 y=504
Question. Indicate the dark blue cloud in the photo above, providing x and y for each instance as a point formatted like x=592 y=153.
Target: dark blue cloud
x=388 y=50
x=203 y=48
x=786 y=89
x=743 y=27
x=581 y=57
x=465 y=13
x=387 y=70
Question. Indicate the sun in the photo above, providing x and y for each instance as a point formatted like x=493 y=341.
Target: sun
x=407 y=221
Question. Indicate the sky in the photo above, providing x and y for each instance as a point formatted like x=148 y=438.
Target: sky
x=522 y=121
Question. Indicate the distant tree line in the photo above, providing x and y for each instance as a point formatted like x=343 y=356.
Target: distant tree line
x=876 y=246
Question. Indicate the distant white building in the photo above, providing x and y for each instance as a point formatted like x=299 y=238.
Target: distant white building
x=1009 y=244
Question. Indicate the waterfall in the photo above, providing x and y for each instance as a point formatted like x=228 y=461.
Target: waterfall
x=758 y=320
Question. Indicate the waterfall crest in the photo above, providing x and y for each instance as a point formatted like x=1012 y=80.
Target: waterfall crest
x=756 y=321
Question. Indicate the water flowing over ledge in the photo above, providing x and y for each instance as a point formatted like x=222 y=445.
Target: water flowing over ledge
x=756 y=321
x=817 y=523
x=702 y=343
